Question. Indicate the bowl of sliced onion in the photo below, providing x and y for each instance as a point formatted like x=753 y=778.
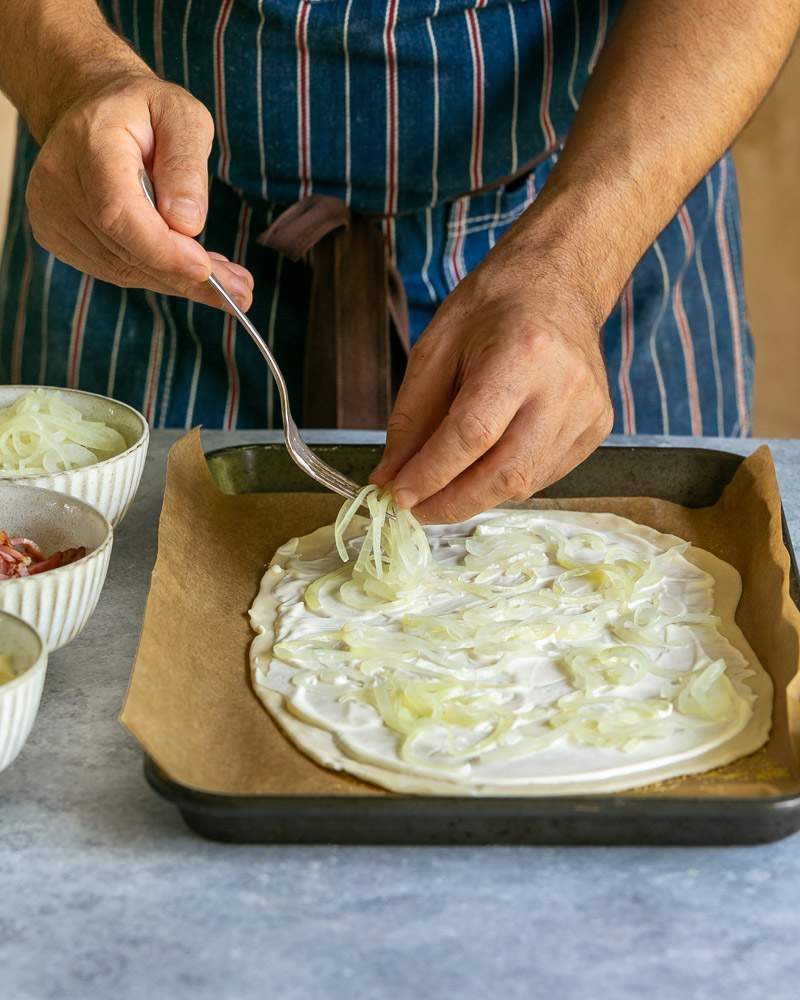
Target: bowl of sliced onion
x=54 y=552
x=87 y=446
x=23 y=662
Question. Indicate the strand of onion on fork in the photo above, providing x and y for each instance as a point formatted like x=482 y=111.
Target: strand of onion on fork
x=23 y=557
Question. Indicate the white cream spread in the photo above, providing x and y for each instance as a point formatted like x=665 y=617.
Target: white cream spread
x=549 y=652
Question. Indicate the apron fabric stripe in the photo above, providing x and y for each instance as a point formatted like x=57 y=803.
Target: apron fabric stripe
x=221 y=116
x=303 y=113
x=626 y=392
x=44 y=333
x=166 y=309
x=158 y=41
x=273 y=314
x=602 y=29
x=476 y=51
x=78 y=331
x=389 y=231
x=348 y=166
x=22 y=310
x=116 y=16
x=435 y=142
x=137 y=38
x=118 y=327
x=428 y=255
x=576 y=53
x=185 y=45
x=512 y=22
x=496 y=217
x=198 y=361
x=391 y=107
x=456 y=251
x=684 y=331
x=17 y=223
x=653 y=339
x=262 y=151
x=710 y=315
x=733 y=304
x=547 y=76
x=231 y=325
x=150 y=398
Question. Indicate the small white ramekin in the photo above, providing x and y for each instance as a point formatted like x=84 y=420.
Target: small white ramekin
x=19 y=699
x=110 y=485
x=58 y=602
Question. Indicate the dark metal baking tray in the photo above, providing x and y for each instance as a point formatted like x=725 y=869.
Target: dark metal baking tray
x=693 y=477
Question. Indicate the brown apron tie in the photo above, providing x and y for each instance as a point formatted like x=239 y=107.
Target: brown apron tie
x=357 y=338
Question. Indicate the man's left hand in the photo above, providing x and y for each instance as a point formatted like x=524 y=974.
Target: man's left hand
x=505 y=392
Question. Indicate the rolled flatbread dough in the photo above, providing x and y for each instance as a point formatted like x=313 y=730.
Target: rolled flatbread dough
x=355 y=739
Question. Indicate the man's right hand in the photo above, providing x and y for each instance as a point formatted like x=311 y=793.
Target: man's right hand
x=86 y=204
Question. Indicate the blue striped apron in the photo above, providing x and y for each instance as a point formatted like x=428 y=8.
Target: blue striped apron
x=401 y=108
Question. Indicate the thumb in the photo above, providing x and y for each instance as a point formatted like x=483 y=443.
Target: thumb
x=183 y=132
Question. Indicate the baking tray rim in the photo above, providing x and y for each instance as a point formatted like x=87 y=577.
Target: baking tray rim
x=563 y=806
x=667 y=805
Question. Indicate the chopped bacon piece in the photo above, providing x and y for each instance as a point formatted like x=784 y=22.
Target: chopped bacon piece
x=23 y=557
x=29 y=548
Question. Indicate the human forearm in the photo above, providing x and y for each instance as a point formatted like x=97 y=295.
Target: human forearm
x=101 y=116
x=675 y=84
x=53 y=52
x=506 y=390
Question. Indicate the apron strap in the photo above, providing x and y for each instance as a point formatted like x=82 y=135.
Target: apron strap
x=357 y=339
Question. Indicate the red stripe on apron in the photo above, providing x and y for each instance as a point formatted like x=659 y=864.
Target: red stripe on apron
x=78 y=330
x=219 y=90
x=733 y=301
x=547 y=77
x=476 y=50
x=22 y=312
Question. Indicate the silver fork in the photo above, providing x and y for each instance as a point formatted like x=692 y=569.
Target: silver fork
x=302 y=455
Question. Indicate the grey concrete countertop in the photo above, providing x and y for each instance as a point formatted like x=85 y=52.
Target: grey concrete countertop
x=105 y=894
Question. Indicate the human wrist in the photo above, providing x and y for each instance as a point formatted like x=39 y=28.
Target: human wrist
x=80 y=51
x=80 y=84
x=580 y=240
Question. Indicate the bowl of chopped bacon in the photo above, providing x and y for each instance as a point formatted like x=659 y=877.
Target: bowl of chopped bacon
x=54 y=553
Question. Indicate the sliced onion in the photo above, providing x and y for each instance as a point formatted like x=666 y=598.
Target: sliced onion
x=441 y=675
x=41 y=432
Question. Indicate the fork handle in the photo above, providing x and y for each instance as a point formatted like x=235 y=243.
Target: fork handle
x=260 y=343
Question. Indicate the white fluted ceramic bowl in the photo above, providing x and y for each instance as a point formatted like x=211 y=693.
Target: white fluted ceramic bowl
x=58 y=602
x=19 y=699
x=110 y=485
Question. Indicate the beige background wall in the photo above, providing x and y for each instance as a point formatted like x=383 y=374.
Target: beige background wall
x=6 y=150
x=768 y=162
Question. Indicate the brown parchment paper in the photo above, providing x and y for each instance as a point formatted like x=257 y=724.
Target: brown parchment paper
x=190 y=703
